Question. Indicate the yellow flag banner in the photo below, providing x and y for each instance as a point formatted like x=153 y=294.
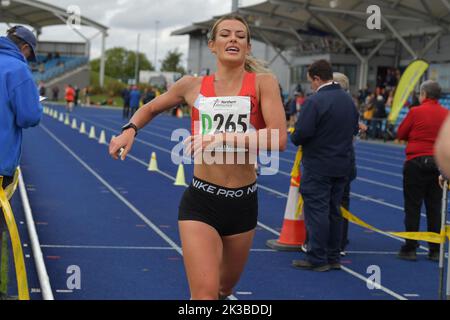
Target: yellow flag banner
x=407 y=83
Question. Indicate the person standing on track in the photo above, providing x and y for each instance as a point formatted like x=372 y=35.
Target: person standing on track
x=326 y=125
x=218 y=212
x=420 y=173
x=70 y=98
x=19 y=104
x=344 y=82
x=19 y=98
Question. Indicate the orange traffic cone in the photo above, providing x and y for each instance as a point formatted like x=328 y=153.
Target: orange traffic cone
x=293 y=232
x=179 y=113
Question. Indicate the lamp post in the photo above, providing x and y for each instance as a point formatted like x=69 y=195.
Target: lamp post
x=156 y=44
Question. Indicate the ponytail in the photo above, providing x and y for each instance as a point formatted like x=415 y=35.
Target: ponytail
x=255 y=65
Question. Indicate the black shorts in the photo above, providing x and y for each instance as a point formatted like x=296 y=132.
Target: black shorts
x=229 y=211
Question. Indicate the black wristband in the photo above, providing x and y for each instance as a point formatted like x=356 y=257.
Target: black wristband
x=130 y=125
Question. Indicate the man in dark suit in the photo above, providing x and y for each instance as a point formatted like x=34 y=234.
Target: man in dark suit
x=325 y=129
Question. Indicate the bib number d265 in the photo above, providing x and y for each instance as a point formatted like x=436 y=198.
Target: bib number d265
x=224 y=123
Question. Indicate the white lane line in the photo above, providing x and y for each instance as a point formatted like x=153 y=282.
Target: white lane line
x=64 y=291
x=380 y=252
x=136 y=248
x=380 y=155
x=368 y=281
x=367 y=198
x=380 y=171
x=57 y=246
x=411 y=295
x=288 y=151
x=379 y=162
x=355 y=195
x=163 y=235
x=117 y=194
x=169 y=151
x=384 y=185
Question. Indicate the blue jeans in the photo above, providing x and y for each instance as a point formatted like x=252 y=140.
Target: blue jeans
x=322 y=197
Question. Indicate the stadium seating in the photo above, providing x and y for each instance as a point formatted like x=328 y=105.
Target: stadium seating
x=57 y=66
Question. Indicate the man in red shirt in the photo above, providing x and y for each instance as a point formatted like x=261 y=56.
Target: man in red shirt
x=420 y=173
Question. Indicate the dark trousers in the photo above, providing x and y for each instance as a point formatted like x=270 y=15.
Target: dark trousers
x=7 y=181
x=346 y=205
x=420 y=184
x=126 y=112
x=322 y=197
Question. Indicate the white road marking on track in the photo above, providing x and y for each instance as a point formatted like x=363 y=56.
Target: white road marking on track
x=260 y=186
x=411 y=295
x=57 y=246
x=388 y=291
x=64 y=291
x=367 y=198
x=118 y=195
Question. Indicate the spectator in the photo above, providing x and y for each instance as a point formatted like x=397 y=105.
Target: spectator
x=135 y=98
x=42 y=89
x=149 y=95
x=327 y=122
x=420 y=174
x=379 y=117
x=295 y=106
x=55 y=92
x=87 y=96
x=414 y=101
x=70 y=97
x=443 y=148
x=19 y=101
x=344 y=82
x=126 y=102
x=76 y=96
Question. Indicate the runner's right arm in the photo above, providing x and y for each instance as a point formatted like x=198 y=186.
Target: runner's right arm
x=174 y=96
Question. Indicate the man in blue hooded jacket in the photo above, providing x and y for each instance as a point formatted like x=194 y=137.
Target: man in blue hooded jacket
x=20 y=107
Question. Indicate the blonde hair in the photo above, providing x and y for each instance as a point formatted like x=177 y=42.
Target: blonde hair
x=252 y=64
x=342 y=79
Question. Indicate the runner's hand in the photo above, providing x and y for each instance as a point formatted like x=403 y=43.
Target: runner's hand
x=196 y=145
x=121 y=145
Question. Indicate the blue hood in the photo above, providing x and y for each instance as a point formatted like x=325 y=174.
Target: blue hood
x=8 y=48
x=19 y=104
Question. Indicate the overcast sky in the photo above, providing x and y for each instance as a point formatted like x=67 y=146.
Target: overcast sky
x=127 y=18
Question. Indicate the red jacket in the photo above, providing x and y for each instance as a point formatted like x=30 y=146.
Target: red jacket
x=421 y=127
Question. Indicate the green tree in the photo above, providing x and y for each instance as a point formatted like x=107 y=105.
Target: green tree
x=120 y=63
x=172 y=62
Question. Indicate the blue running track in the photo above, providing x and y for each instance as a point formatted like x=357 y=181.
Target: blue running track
x=117 y=221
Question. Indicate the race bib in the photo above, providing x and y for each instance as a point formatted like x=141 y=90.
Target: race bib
x=224 y=114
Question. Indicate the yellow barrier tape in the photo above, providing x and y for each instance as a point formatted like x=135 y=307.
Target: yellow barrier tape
x=298 y=159
x=21 y=274
x=423 y=236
